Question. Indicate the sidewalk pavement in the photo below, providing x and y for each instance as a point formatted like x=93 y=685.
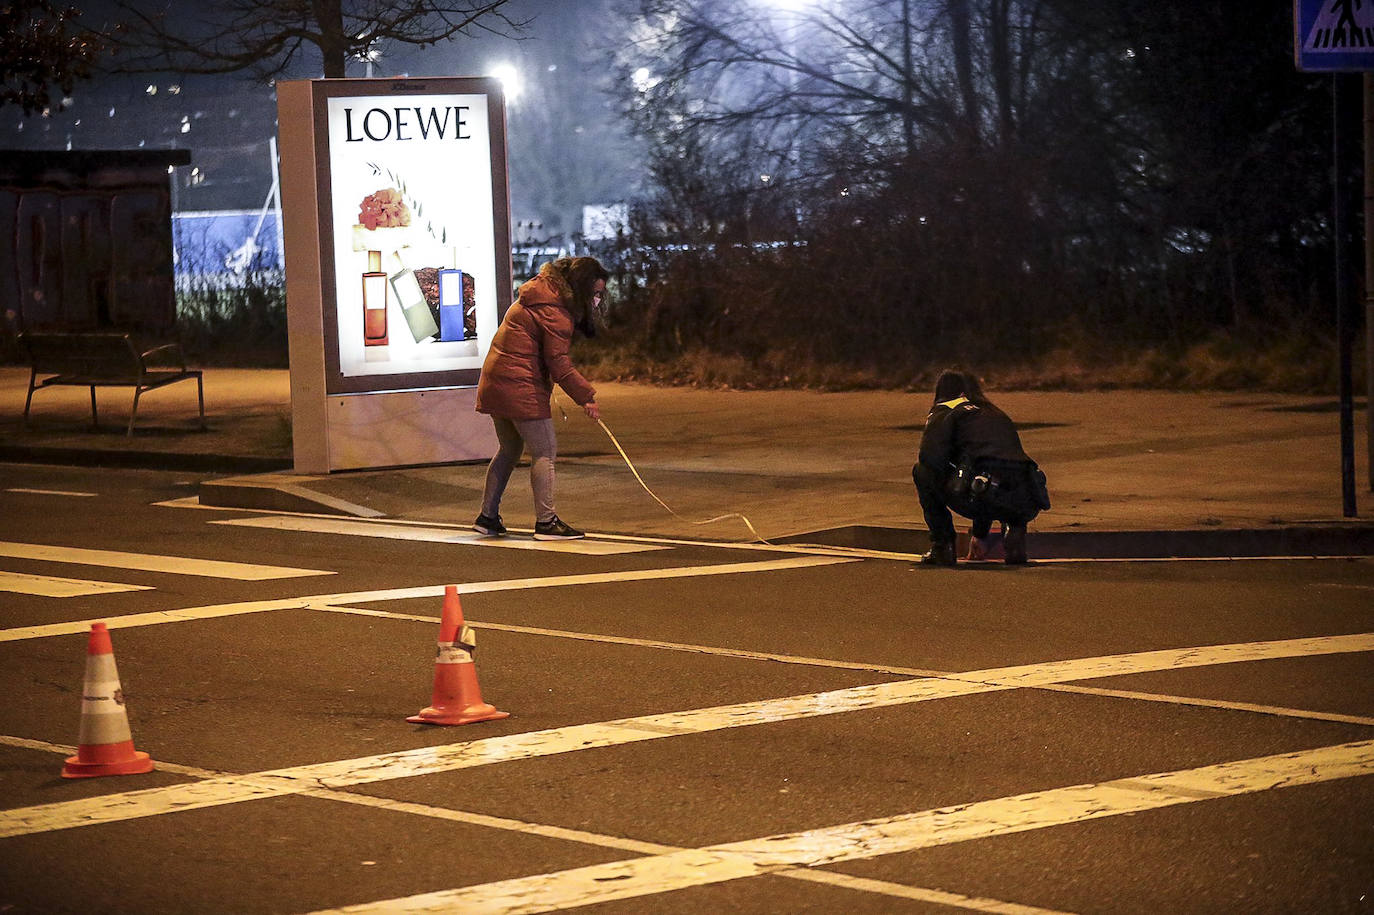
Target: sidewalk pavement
x=1132 y=473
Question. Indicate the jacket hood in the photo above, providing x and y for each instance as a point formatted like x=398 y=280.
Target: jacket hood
x=547 y=288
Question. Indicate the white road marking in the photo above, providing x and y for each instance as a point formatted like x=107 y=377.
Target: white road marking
x=574 y=738
x=648 y=643
x=52 y=492
x=145 y=562
x=814 y=549
x=473 y=587
x=1280 y=711
x=639 y=877
x=562 y=833
x=352 y=528
x=52 y=586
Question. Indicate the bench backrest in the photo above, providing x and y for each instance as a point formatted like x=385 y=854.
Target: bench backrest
x=110 y=356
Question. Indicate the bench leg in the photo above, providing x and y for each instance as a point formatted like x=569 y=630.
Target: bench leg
x=200 y=394
x=95 y=418
x=133 y=414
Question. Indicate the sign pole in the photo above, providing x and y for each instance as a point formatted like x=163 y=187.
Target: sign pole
x=1368 y=80
x=1341 y=97
x=1338 y=37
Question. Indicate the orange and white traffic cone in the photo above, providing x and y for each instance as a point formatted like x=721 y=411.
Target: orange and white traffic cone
x=106 y=747
x=457 y=697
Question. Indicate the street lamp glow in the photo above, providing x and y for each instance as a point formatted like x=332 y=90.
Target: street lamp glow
x=510 y=80
x=643 y=79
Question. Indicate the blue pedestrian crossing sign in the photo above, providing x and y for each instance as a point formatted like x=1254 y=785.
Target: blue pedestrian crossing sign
x=1333 y=35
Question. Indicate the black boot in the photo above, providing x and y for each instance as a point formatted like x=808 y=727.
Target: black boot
x=1014 y=543
x=941 y=554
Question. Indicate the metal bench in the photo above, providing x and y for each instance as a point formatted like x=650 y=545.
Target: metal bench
x=101 y=360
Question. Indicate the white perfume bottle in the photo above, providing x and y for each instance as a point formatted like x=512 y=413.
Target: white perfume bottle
x=414 y=305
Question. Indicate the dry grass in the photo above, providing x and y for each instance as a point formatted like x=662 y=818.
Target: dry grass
x=1290 y=363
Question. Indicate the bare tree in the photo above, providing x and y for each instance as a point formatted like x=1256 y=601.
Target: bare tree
x=42 y=47
x=269 y=38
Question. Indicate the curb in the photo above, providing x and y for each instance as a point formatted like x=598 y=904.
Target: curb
x=143 y=460
x=1315 y=539
x=278 y=492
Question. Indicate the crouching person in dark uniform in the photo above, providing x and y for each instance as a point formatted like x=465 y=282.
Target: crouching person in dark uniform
x=971 y=461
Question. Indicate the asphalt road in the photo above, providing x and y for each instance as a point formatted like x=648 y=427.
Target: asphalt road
x=693 y=727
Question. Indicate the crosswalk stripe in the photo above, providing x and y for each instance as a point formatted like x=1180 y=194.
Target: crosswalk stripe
x=588 y=547
x=651 y=876
x=147 y=562
x=565 y=834
x=52 y=586
x=326 y=601
x=575 y=738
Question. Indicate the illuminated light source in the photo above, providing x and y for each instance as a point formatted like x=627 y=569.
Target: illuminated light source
x=510 y=80
x=643 y=79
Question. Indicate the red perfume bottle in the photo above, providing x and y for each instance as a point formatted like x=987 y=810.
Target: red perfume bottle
x=375 y=296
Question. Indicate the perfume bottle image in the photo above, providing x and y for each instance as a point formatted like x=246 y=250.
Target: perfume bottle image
x=450 y=301
x=375 y=297
x=412 y=300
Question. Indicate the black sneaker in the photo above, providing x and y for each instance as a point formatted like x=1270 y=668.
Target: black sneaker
x=492 y=527
x=941 y=554
x=555 y=529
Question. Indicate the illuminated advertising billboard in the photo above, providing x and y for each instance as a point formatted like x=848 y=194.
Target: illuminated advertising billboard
x=414 y=230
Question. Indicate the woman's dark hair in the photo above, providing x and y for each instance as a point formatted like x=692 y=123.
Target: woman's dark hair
x=582 y=274
x=954 y=383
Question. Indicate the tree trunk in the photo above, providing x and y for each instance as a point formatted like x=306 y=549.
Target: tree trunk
x=963 y=65
x=333 y=43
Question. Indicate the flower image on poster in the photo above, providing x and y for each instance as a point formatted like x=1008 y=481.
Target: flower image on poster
x=413 y=232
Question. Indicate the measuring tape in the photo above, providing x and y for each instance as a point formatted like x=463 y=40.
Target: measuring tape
x=630 y=464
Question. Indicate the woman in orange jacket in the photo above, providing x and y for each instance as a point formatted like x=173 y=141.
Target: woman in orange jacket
x=529 y=354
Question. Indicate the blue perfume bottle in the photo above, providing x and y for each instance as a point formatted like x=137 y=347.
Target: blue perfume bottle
x=450 y=302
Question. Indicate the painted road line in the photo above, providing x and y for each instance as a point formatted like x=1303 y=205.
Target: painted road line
x=588 y=547
x=52 y=492
x=651 y=876
x=565 y=834
x=916 y=893
x=1278 y=710
x=649 y=643
x=144 y=562
x=52 y=586
x=472 y=587
x=574 y=738
x=151 y=618
x=814 y=549
x=802 y=660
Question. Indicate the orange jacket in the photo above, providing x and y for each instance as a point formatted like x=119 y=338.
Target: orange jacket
x=528 y=355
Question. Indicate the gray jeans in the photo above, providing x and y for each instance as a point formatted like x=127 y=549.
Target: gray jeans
x=515 y=436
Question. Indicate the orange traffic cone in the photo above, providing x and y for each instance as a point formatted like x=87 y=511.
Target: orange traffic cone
x=457 y=697
x=106 y=746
